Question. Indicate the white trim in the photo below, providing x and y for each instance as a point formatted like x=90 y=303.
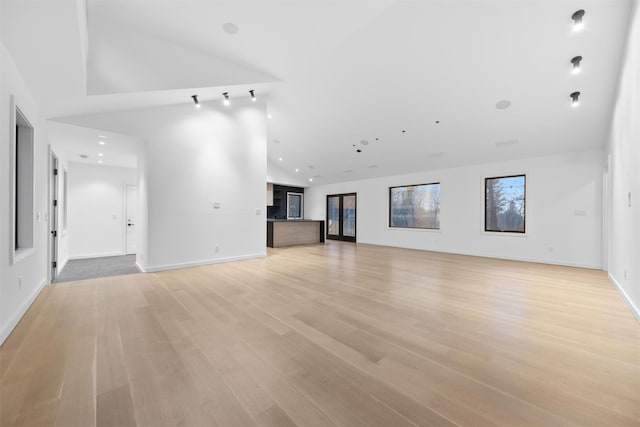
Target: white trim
x=634 y=310
x=139 y=267
x=61 y=266
x=13 y=322
x=99 y=255
x=202 y=262
x=21 y=254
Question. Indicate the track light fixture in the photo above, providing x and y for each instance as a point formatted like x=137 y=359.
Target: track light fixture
x=576 y=64
x=195 y=100
x=226 y=98
x=577 y=20
x=575 y=99
x=253 y=96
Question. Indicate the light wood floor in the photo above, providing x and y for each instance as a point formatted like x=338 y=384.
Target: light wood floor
x=333 y=335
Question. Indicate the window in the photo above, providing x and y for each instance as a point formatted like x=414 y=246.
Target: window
x=415 y=206
x=294 y=205
x=22 y=190
x=504 y=204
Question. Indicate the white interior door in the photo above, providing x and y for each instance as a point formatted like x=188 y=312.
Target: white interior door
x=132 y=217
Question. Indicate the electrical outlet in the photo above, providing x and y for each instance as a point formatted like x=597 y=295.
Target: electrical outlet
x=216 y=205
x=580 y=212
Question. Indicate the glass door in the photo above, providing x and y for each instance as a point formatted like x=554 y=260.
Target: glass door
x=341 y=217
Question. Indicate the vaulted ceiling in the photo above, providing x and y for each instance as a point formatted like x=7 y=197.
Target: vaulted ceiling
x=412 y=85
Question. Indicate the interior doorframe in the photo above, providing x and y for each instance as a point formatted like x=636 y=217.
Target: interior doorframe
x=53 y=239
x=125 y=219
x=341 y=235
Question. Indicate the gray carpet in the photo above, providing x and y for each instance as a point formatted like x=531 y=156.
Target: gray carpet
x=90 y=268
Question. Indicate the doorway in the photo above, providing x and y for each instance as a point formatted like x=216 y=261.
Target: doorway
x=132 y=216
x=341 y=217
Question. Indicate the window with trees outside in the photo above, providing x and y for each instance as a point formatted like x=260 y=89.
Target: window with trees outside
x=415 y=206
x=504 y=205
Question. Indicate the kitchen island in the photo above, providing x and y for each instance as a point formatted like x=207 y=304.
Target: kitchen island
x=282 y=232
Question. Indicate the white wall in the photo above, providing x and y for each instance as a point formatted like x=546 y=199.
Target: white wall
x=624 y=150
x=557 y=186
x=195 y=157
x=97 y=208
x=143 y=207
x=15 y=298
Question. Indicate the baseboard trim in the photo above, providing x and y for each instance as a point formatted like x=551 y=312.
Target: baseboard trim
x=634 y=310
x=61 y=266
x=139 y=267
x=496 y=256
x=153 y=269
x=101 y=255
x=13 y=322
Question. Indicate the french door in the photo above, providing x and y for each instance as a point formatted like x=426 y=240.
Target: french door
x=341 y=217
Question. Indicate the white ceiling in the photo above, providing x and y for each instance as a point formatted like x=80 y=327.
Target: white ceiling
x=74 y=142
x=338 y=73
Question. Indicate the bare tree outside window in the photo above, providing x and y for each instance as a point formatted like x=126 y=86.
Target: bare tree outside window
x=415 y=206
x=504 y=206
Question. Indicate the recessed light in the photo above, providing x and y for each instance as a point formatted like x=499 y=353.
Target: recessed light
x=297 y=170
x=230 y=28
x=99 y=161
x=100 y=154
x=503 y=105
x=102 y=137
x=101 y=142
x=310 y=179
x=280 y=158
x=269 y=116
